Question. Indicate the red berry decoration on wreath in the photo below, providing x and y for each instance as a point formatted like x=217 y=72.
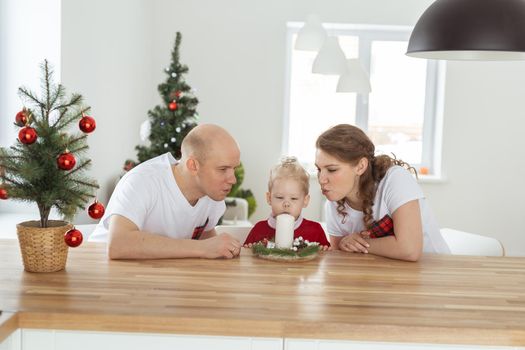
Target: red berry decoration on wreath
x=66 y=161
x=3 y=193
x=73 y=238
x=87 y=124
x=96 y=210
x=172 y=106
x=27 y=135
x=22 y=117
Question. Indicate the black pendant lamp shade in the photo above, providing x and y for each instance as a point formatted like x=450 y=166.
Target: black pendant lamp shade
x=470 y=30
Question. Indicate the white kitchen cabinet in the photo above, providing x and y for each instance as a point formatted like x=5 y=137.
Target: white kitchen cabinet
x=13 y=342
x=66 y=340
x=309 y=344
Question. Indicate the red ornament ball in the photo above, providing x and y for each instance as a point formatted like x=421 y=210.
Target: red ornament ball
x=178 y=93
x=22 y=117
x=73 y=238
x=66 y=161
x=172 y=106
x=87 y=124
x=128 y=165
x=96 y=210
x=27 y=135
x=3 y=193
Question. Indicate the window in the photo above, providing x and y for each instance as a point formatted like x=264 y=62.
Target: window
x=399 y=114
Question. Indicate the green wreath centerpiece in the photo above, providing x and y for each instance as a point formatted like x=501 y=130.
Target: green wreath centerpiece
x=301 y=250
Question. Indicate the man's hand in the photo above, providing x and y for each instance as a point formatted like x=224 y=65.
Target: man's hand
x=355 y=242
x=221 y=246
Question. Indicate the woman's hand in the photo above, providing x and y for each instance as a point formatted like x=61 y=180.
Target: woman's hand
x=355 y=242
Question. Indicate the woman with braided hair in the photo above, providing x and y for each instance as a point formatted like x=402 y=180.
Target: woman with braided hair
x=374 y=203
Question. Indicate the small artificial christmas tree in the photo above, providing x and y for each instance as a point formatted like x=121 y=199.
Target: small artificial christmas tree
x=170 y=122
x=46 y=165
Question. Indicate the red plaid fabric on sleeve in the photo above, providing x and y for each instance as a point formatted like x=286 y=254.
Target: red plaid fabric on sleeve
x=382 y=228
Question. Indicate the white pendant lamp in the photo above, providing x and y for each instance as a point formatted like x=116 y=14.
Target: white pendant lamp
x=491 y=30
x=331 y=59
x=355 y=79
x=312 y=35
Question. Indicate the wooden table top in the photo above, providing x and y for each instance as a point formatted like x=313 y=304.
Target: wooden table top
x=440 y=299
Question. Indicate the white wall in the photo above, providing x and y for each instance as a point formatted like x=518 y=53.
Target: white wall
x=236 y=51
x=29 y=33
x=484 y=152
x=106 y=56
x=114 y=51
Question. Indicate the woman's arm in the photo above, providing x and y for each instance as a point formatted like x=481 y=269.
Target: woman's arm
x=334 y=241
x=407 y=244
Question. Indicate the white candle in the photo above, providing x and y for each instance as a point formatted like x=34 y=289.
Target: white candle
x=284 y=231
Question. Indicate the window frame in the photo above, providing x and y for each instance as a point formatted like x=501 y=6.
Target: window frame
x=434 y=90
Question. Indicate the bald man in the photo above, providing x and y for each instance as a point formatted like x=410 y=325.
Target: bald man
x=166 y=208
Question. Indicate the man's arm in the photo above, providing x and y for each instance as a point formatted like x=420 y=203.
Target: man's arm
x=126 y=241
x=208 y=234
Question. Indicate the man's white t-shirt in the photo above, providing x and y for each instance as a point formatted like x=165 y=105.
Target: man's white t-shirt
x=148 y=195
x=398 y=187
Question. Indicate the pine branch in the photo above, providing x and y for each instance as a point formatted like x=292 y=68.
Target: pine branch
x=58 y=94
x=23 y=92
x=80 y=182
x=13 y=157
x=75 y=100
x=78 y=150
x=82 y=207
x=81 y=166
x=47 y=76
x=67 y=121
x=175 y=55
x=59 y=207
x=10 y=168
x=60 y=116
x=82 y=195
x=77 y=139
x=17 y=148
x=11 y=181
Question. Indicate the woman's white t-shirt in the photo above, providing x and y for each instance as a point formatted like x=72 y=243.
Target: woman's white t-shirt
x=398 y=187
x=148 y=195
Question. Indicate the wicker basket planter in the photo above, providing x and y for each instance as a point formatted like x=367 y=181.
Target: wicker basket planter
x=43 y=249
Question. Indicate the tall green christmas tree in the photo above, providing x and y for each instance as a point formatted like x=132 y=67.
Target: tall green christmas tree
x=170 y=122
x=46 y=165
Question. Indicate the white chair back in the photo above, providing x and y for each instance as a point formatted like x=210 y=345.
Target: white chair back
x=238 y=232
x=236 y=209
x=465 y=243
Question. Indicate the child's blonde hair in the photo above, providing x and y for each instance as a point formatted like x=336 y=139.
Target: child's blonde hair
x=290 y=168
